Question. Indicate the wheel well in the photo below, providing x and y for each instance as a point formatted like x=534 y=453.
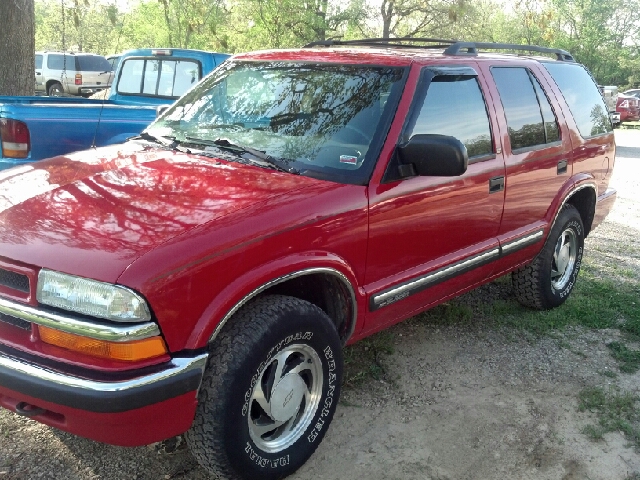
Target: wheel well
x=585 y=202
x=327 y=292
x=51 y=82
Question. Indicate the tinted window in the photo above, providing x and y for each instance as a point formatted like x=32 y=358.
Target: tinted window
x=93 y=63
x=551 y=129
x=520 y=103
x=38 y=61
x=583 y=97
x=454 y=106
x=166 y=78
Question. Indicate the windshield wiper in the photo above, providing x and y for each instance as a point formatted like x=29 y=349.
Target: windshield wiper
x=239 y=150
x=166 y=141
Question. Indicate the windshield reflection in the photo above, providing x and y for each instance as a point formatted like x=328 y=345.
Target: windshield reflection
x=319 y=118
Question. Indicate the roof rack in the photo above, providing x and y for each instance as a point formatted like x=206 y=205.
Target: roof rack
x=387 y=42
x=471 y=48
x=452 y=47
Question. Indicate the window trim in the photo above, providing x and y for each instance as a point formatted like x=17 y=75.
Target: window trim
x=427 y=74
x=144 y=68
x=588 y=72
x=538 y=146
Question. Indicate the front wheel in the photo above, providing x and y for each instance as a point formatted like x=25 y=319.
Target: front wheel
x=548 y=280
x=269 y=392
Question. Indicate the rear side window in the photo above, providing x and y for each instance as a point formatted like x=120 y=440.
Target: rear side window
x=57 y=62
x=530 y=118
x=583 y=97
x=38 y=61
x=450 y=99
x=93 y=63
x=165 y=78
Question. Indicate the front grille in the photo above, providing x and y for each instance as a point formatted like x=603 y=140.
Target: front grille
x=16 y=322
x=16 y=281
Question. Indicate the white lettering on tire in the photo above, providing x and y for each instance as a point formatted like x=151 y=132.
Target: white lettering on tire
x=328 y=353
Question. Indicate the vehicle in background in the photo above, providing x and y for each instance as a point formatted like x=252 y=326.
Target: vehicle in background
x=59 y=73
x=628 y=107
x=114 y=60
x=33 y=128
x=634 y=92
x=610 y=94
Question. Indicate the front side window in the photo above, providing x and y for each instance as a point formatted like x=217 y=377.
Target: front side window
x=530 y=118
x=583 y=97
x=322 y=119
x=164 y=78
x=454 y=106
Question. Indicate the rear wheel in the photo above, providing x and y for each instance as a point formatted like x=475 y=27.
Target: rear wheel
x=269 y=391
x=548 y=280
x=55 y=90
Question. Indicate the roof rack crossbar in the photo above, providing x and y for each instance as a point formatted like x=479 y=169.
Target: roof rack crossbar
x=471 y=49
x=393 y=42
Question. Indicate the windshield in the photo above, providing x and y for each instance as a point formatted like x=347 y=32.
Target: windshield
x=322 y=120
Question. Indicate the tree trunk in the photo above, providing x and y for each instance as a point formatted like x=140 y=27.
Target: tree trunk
x=17 y=47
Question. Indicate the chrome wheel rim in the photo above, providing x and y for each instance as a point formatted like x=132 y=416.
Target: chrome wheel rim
x=564 y=259
x=285 y=398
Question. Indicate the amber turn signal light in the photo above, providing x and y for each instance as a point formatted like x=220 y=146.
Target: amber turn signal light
x=123 y=351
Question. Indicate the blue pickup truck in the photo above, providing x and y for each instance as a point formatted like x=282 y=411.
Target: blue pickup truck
x=33 y=128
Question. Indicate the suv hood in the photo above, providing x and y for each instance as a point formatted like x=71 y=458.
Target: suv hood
x=94 y=212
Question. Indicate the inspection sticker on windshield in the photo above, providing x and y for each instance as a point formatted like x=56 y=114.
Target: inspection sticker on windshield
x=348 y=159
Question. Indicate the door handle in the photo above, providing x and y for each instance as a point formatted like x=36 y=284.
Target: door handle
x=496 y=184
x=562 y=167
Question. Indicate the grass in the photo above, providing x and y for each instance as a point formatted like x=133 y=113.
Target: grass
x=363 y=360
x=629 y=360
x=448 y=313
x=594 y=303
x=616 y=412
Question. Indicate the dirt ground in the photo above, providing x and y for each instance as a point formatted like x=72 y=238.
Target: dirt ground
x=465 y=401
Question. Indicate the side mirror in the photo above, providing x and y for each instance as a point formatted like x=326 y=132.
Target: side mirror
x=160 y=109
x=433 y=155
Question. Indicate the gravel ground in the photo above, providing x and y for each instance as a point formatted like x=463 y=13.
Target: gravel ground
x=460 y=401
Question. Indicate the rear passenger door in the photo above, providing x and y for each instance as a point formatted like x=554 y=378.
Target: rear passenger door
x=538 y=159
x=432 y=236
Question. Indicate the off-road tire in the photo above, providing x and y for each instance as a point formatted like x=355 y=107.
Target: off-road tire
x=537 y=284
x=223 y=438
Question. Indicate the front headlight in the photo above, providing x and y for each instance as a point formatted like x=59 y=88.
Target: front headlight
x=90 y=297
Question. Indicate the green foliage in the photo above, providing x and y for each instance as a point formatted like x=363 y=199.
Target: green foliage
x=363 y=360
x=616 y=412
x=603 y=35
x=629 y=359
x=594 y=303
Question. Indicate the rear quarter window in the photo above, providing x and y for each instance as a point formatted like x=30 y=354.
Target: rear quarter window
x=582 y=96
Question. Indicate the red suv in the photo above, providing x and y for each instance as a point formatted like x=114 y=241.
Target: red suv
x=205 y=276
